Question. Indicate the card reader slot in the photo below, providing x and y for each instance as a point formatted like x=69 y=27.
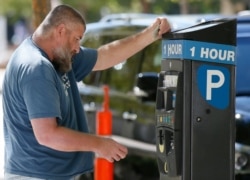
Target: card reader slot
x=169 y=152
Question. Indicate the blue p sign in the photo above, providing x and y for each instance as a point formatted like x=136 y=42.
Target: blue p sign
x=214 y=85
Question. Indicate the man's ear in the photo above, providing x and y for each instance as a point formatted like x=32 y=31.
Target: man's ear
x=61 y=30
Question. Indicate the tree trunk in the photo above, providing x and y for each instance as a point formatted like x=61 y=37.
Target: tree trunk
x=145 y=6
x=40 y=10
x=183 y=7
x=226 y=7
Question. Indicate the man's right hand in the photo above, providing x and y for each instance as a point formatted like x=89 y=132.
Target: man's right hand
x=111 y=150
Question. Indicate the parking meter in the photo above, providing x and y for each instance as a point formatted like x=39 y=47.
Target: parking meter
x=195 y=125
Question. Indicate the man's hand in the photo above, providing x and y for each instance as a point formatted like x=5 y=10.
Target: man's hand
x=160 y=26
x=111 y=150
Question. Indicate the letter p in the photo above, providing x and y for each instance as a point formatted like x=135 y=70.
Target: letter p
x=212 y=85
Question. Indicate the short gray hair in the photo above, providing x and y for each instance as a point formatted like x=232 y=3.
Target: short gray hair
x=63 y=14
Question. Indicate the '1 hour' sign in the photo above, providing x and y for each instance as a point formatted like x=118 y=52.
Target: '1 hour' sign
x=213 y=81
x=196 y=50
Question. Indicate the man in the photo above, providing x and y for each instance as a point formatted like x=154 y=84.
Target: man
x=46 y=135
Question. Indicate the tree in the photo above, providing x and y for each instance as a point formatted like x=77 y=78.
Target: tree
x=226 y=7
x=183 y=6
x=94 y=10
x=40 y=9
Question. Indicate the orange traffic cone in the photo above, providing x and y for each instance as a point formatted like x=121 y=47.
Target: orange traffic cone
x=103 y=168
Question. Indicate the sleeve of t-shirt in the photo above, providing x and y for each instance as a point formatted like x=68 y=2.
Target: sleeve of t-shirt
x=83 y=62
x=40 y=94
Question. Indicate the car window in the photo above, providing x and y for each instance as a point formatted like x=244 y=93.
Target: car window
x=122 y=76
x=243 y=65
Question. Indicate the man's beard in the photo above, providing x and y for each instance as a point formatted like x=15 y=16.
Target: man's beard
x=62 y=60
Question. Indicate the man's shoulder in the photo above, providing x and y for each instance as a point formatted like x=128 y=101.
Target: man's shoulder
x=28 y=62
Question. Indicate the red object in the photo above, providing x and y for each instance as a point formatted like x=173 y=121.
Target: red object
x=103 y=168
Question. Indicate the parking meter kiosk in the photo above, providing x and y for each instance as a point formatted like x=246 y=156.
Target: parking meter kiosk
x=195 y=127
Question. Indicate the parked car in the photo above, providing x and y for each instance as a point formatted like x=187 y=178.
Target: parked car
x=124 y=101
x=133 y=113
x=133 y=116
x=242 y=146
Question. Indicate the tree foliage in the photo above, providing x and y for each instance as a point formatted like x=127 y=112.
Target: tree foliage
x=94 y=10
x=15 y=9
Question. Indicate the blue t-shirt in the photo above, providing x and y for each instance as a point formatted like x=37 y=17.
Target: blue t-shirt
x=34 y=89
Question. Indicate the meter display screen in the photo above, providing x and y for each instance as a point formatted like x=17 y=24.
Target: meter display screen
x=170 y=81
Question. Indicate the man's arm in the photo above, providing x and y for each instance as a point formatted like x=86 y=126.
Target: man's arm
x=115 y=52
x=49 y=134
